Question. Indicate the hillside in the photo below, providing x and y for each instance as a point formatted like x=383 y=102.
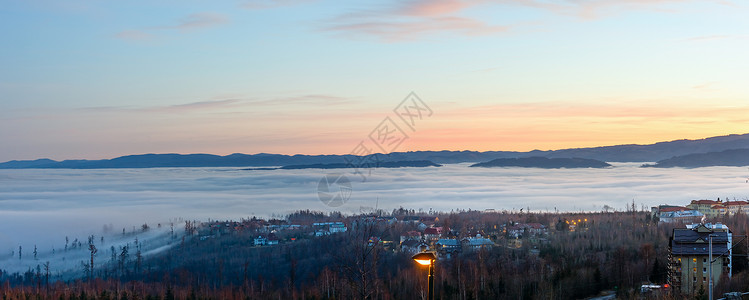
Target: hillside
x=621 y=153
x=387 y=164
x=733 y=158
x=543 y=162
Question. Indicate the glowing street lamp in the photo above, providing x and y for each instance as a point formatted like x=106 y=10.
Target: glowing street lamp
x=425 y=258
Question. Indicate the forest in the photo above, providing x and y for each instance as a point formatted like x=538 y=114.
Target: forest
x=579 y=255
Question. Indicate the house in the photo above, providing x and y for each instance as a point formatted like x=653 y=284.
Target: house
x=447 y=246
x=689 y=256
x=337 y=227
x=272 y=239
x=411 y=235
x=709 y=208
x=680 y=216
x=703 y=205
x=432 y=233
x=670 y=213
x=475 y=243
x=260 y=241
x=326 y=228
x=411 y=246
x=717 y=210
x=519 y=230
x=536 y=228
x=736 y=207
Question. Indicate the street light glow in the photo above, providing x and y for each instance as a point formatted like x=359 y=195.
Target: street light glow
x=427 y=258
x=424 y=258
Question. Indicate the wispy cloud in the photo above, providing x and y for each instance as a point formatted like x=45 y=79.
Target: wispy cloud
x=406 y=30
x=594 y=9
x=268 y=4
x=186 y=24
x=235 y=103
x=412 y=20
x=313 y=99
x=433 y=7
x=199 y=106
x=199 y=20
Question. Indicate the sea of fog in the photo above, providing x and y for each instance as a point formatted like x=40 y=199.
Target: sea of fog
x=42 y=207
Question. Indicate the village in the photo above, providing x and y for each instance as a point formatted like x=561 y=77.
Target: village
x=415 y=230
x=686 y=259
x=630 y=254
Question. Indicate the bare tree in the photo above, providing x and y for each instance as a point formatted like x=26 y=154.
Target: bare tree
x=93 y=251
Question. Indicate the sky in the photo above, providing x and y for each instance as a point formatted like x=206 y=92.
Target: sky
x=100 y=79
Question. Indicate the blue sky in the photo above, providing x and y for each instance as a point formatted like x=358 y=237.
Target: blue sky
x=99 y=79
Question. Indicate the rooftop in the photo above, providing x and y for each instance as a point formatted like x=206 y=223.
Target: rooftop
x=695 y=241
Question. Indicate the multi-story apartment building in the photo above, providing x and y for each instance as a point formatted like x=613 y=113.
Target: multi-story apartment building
x=709 y=208
x=688 y=256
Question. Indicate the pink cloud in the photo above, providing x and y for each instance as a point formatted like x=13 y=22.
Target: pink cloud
x=396 y=31
x=200 y=20
x=433 y=7
x=596 y=8
x=188 y=23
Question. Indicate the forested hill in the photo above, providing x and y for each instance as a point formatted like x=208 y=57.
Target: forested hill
x=543 y=162
x=735 y=158
x=386 y=164
x=621 y=153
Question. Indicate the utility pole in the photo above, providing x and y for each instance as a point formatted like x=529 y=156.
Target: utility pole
x=710 y=259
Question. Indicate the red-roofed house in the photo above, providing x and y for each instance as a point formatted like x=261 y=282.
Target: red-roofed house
x=717 y=210
x=705 y=206
x=673 y=208
x=736 y=207
x=432 y=233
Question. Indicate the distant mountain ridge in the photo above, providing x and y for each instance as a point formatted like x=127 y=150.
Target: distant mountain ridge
x=386 y=164
x=728 y=158
x=543 y=162
x=621 y=153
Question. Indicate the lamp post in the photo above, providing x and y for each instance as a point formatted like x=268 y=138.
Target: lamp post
x=425 y=258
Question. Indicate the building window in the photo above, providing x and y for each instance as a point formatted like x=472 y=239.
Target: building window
x=694 y=270
x=704 y=270
x=694 y=260
x=703 y=279
x=704 y=260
